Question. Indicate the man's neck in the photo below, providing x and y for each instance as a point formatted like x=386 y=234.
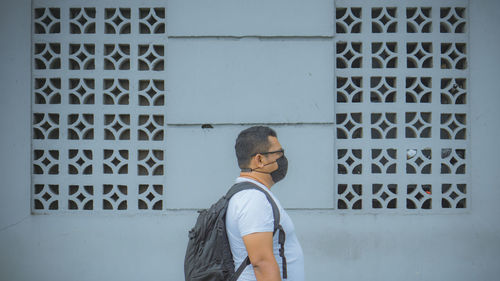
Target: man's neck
x=264 y=179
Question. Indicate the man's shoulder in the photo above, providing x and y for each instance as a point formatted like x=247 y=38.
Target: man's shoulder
x=249 y=211
x=249 y=195
x=250 y=200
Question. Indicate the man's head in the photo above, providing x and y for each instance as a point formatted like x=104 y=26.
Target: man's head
x=260 y=155
x=251 y=141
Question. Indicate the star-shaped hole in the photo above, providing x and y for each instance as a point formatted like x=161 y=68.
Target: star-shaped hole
x=150 y=162
x=348 y=20
x=419 y=20
x=384 y=54
x=117 y=126
x=349 y=125
x=47 y=56
x=420 y=54
x=81 y=197
x=383 y=160
x=419 y=161
x=385 y=19
x=151 y=92
x=454 y=89
x=116 y=56
x=383 y=89
x=82 y=56
x=350 y=89
x=117 y=20
x=46 y=126
x=419 y=196
x=151 y=57
x=384 y=196
x=453 y=55
x=418 y=125
x=81 y=91
x=349 y=161
x=46 y=161
x=80 y=161
x=150 y=196
x=151 y=20
x=80 y=126
x=115 y=197
x=46 y=196
x=82 y=20
x=47 y=90
x=47 y=20
x=115 y=161
x=348 y=55
x=452 y=19
x=418 y=89
x=453 y=161
x=384 y=125
x=453 y=126
x=349 y=196
x=151 y=127
x=116 y=92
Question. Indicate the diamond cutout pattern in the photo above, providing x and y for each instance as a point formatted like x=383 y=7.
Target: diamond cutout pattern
x=402 y=104
x=98 y=107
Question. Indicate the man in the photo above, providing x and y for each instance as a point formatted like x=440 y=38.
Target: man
x=249 y=218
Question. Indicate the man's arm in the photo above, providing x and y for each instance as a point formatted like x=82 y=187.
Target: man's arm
x=260 y=251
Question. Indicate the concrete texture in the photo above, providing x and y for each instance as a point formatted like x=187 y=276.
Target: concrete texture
x=250 y=18
x=213 y=162
x=86 y=247
x=249 y=81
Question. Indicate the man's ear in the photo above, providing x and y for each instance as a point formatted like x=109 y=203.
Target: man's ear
x=259 y=161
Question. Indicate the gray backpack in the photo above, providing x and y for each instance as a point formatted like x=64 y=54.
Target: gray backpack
x=208 y=254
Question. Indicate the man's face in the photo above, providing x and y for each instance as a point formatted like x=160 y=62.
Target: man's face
x=267 y=158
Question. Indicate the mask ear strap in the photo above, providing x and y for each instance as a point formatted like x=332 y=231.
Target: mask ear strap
x=254 y=170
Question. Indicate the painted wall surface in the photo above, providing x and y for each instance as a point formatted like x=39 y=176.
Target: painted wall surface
x=286 y=81
x=200 y=165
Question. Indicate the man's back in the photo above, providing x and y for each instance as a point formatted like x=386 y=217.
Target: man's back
x=249 y=212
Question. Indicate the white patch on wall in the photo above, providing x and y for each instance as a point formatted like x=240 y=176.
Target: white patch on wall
x=402 y=106
x=98 y=106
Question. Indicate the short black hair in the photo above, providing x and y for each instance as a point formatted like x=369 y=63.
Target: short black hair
x=251 y=141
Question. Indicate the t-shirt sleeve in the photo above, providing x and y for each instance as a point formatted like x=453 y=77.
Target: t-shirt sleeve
x=254 y=212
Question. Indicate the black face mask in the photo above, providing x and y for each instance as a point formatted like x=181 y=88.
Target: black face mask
x=277 y=174
x=280 y=173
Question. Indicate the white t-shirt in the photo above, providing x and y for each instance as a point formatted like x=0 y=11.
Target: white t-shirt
x=248 y=212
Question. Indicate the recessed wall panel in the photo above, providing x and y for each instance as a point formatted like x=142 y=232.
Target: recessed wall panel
x=249 y=81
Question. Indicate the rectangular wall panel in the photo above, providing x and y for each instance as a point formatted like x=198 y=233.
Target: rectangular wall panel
x=249 y=81
x=250 y=18
x=202 y=165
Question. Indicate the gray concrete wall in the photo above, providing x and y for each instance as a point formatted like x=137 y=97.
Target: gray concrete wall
x=461 y=246
x=15 y=112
